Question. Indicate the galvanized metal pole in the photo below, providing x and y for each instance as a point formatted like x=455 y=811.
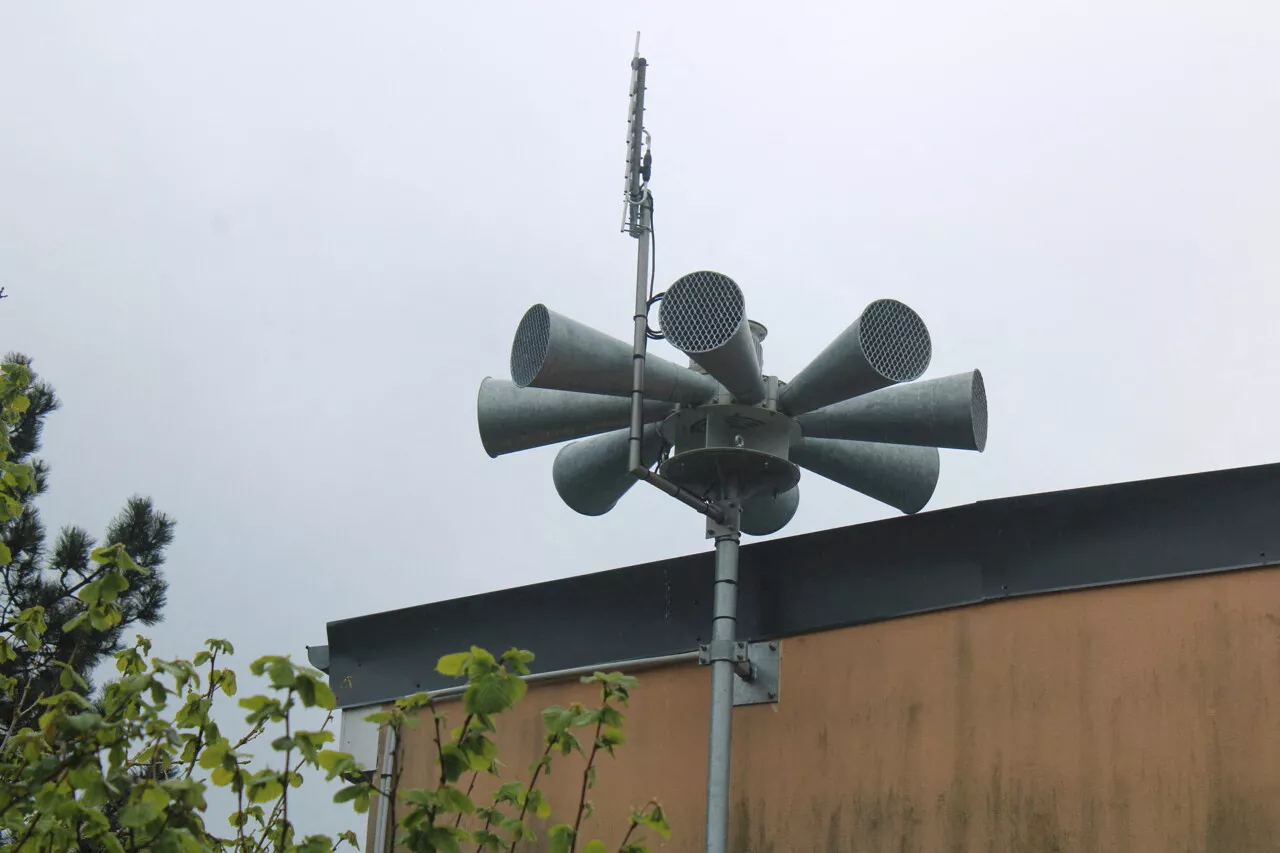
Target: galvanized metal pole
x=724 y=633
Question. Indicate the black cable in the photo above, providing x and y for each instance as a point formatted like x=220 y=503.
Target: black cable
x=653 y=274
x=653 y=250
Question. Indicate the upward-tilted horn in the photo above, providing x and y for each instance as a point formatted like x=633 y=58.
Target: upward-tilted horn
x=552 y=351
x=887 y=344
x=704 y=315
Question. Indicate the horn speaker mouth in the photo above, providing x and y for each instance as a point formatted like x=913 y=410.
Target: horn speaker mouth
x=529 y=348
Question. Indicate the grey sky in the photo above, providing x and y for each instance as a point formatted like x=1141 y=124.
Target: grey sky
x=266 y=253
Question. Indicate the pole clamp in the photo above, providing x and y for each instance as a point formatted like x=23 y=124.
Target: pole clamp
x=756 y=668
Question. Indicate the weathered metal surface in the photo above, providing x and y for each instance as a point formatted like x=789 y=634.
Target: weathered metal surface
x=1211 y=522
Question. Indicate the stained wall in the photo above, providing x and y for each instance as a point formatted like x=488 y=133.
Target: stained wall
x=1130 y=718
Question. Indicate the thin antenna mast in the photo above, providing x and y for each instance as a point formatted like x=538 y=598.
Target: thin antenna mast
x=635 y=189
x=639 y=224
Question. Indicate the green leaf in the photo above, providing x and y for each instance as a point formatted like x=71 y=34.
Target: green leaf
x=213 y=755
x=113 y=583
x=595 y=846
x=155 y=796
x=561 y=837
x=227 y=681
x=336 y=762
x=518 y=660
x=6 y=556
x=454 y=800
x=558 y=719
x=346 y=795
x=82 y=723
x=82 y=776
x=444 y=839
x=454 y=762
x=486 y=840
x=609 y=738
x=510 y=792
x=138 y=815
x=493 y=694
x=453 y=665
x=264 y=790
x=655 y=819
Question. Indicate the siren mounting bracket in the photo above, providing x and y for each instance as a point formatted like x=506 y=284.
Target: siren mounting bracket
x=757 y=669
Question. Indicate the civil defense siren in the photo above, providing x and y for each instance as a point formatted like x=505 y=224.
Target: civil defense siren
x=855 y=415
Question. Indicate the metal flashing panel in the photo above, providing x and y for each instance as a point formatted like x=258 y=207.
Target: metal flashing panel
x=1123 y=533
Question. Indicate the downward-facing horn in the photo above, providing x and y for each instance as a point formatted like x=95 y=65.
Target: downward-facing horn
x=900 y=476
x=591 y=475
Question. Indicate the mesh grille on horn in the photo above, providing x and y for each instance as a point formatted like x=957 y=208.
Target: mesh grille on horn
x=701 y=311
x=529 y=349
x=979 y=411
x=895 y=340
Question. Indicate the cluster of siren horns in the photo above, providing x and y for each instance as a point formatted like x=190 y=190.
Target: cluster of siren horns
x=723 y=429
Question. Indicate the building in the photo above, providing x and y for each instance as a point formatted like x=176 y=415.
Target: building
x=1088 y=670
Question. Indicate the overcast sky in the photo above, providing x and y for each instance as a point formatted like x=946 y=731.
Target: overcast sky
x=266 y=253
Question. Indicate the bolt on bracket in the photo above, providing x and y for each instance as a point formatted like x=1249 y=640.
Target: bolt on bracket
x=757 y=668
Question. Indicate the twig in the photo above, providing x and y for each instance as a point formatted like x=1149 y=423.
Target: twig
x=635 y=824
x=528 y=794
x=586 y=777
x=457 y=822
x=288 y=754
x=213 y=659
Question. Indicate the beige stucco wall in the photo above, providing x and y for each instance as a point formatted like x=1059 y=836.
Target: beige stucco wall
x=1135 y=718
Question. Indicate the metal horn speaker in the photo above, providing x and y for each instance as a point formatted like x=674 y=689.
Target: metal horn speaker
x=900 y=476
x=946 y=412
x=553 y=352
x=887 y=344
x=512 y=418
x=591 y=475
x=704 y=315
x=770 y=512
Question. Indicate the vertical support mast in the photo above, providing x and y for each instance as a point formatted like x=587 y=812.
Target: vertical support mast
x=723 y=515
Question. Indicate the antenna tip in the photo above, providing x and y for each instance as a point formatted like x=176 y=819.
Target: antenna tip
x=637 y=56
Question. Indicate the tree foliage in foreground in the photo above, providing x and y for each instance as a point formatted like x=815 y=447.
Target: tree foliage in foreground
x=130 y=769
x=38 y=573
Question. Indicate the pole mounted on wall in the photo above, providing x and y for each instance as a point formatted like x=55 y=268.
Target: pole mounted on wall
x=720 y=435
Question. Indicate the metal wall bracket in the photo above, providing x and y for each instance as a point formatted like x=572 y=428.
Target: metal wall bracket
x=757 y=669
